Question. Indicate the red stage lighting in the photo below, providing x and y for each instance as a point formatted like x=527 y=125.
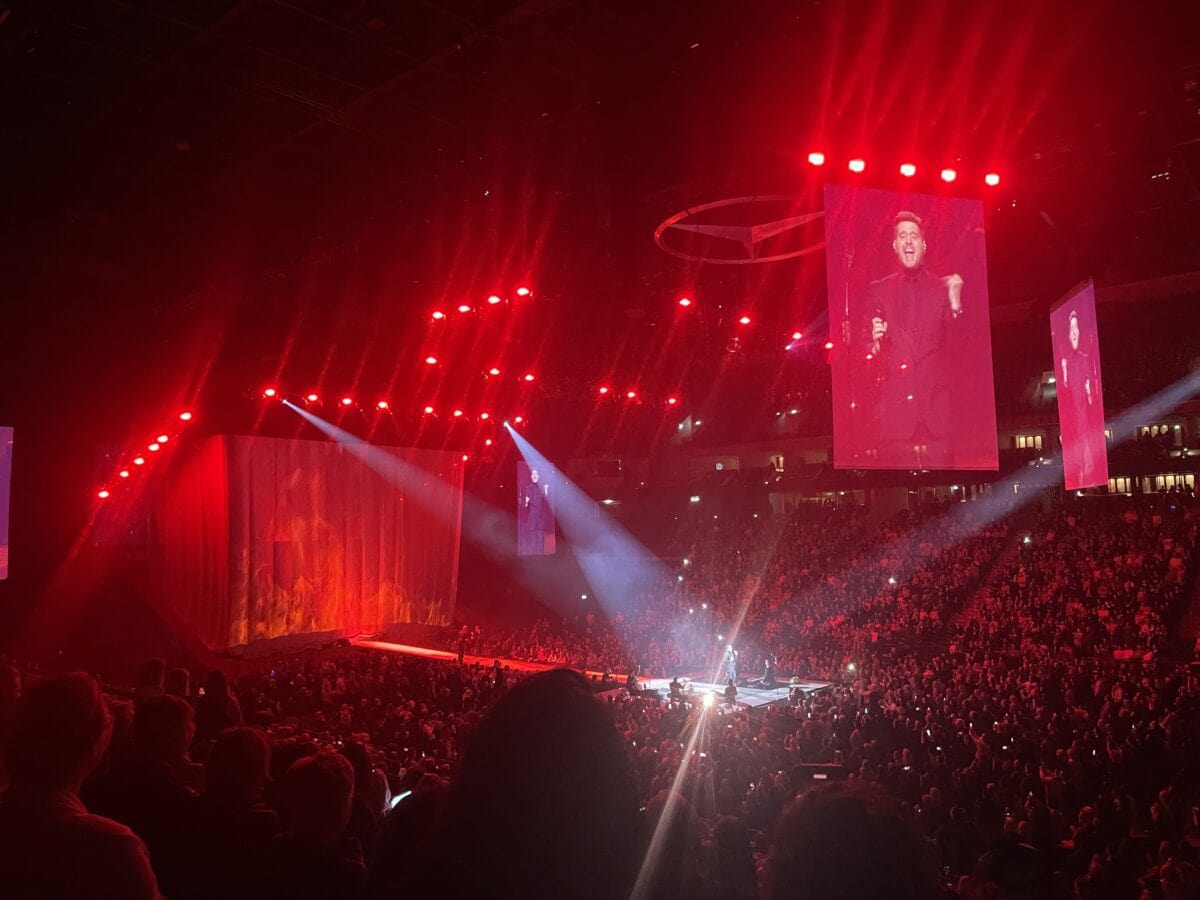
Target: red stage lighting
x=797 y=335
x=488 y=442
x=103 y=495
x=185 y=417
x=603 y=390
x=139 y=460
x=519 y=419
x=494 y=299
x=948 y=175
x=991 y=179
x=908 y=170
x=154 y=448
x=382 y=404
x=463 y=308
x=458 y=413
x=429 y=410
x=269 y=392
x=529 y=377
x=162 y=439
x=124 y=473
x=465 y=457
x=522 y=291
x=346 y=401
x=438 y=314
x=817 y=159
x=631 y=395
x=493 y=371
x=685 y=302
x=857 y=165
x=829 y=345
x=485 y=416
x=311 y=398
x=431 y=360
x=870 y=356
x=744 y=320
x=671 y=401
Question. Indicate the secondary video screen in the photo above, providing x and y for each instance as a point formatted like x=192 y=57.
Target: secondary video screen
x=6 y=448
x=535 y=512
x=1076 y=344
x=909 y=321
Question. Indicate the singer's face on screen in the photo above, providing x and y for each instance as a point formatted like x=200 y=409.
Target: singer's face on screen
x=909 y=244
x=533 y=475
x=1073 y=333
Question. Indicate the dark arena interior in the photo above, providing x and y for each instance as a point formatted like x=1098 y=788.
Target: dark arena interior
x=600 y=449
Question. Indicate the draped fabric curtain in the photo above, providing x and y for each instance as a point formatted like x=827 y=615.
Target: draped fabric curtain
x=257 y=537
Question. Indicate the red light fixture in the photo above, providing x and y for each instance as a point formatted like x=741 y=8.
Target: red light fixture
x=685 y=302
x=458 y=413
x=519 y=419
x=991 y=179
x=185 y=417
x=431 y=360
x=631 y=395
x=124 y=473
x=485 y=416
x=438 y=315
x=744 y=320
x=523 y=291
x=829 y=345
x=311 y=398
x=671 y=401
x=269 y=392
x=857 y=165
x=604 y=390
x=465 y=457
x=494 y=299
x=908 y=170
x=816 y=159
x=154 y=448
x=346 y=401
x=162 y=438
x=529 y=377
x=948 y=175
x=103 y=495
x=381 y=405
x=429 y=410
x=493 y=371
x=463 y=308
x=797 y=335
x=139 y=460
x=488 y=442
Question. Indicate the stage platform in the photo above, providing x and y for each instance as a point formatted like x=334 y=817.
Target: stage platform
x=747 y=697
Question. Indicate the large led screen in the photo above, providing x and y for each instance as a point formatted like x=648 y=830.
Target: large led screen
x=1077 y=380
x=908 y=312
x=535 y=512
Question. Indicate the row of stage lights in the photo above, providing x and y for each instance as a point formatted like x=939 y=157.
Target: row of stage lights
x=493 y=300
x=141 y=457
x=382 y=406
x=907 y=169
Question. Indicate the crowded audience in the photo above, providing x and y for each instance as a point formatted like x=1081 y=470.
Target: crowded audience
x=1008 y=713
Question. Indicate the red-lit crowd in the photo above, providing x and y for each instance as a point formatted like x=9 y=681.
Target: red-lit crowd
x=1009 y=715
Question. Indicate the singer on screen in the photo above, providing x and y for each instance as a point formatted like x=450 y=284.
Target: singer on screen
x=913 y=315
x=1080 y=386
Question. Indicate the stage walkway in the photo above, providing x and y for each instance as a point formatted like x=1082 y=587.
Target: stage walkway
x=748 y=697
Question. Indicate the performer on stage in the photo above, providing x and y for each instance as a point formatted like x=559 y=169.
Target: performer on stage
x=535 y=517
x=768 y=679
x=730 y=663
x=912 y=314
